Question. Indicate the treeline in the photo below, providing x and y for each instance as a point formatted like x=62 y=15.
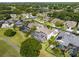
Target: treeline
x=34 y=8
x=5 y=16
x=64 y=15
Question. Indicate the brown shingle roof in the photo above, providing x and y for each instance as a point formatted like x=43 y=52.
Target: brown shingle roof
x=70 y=24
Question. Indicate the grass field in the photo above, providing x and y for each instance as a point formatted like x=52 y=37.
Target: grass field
x=2 y=32
x=43 y=52
x=18 y=38
x=7 y=50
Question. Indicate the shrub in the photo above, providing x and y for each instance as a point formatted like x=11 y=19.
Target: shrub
x=9 y=33
x=59 y=23
x=30 y=47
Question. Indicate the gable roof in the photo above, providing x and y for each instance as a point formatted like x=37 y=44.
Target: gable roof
x=40 y=36
x=68 y=38
x=44 y=30
x=56 y=20
x=70 y=24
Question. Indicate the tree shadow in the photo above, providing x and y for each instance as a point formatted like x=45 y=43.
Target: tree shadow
x=30 y=48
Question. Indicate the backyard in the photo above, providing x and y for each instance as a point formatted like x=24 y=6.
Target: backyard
x=43 y=51
x=11 y=43
x=7 y=50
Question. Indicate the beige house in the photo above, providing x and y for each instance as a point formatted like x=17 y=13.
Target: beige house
x=15 y=16
x=57 y=20
x=48 y=32
x=70 y=24
x=43 y=32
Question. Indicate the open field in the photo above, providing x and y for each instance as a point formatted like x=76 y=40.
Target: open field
x=11 y=43
x=7 y=50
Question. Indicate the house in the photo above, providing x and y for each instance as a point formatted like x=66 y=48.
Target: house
x=46 y=18
x=52 y=46
x=60 y=10
x=40 y=36
x=76 y=10
x=7 y=25
x=48 y=32
x=56 y=20
x=13 y=16
x=70 y=24
x=33 y=17
x=24 y=29
x=73 y=51
x=78 y=28
x=70 y=42
x=66 y=38
x=18 y=23
x=28 y=15
x=1 y=22
x=42 y=32
x=30 y=25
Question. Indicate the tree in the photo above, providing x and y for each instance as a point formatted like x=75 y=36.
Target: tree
x=30 y=48
x=33 y=28
x=59 y=23
x=34 y=13
x=67 y=18
x=52 y=39
x=9 y=33
x=7 y=16
x=69 y=9
x=4 y=16
x=50 y=14
x=57 y=51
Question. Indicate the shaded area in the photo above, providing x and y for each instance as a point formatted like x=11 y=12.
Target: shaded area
x=9 y=33
x=30 y=48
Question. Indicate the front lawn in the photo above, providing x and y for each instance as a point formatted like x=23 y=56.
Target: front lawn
x=55 y=51
x=18 y=38
x=2 y=32
x=43 y=52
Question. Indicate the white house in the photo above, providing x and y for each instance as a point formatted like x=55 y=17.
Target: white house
x=6 y=25
x=53 y=33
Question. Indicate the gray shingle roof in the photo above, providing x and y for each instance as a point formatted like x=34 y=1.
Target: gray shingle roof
x=40 y=36
x=68 y=38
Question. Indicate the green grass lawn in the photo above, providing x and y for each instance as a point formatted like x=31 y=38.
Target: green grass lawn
x=2 y=32
x=7 y=50
x=43 y=52
x=56 y=51
x=16 y=40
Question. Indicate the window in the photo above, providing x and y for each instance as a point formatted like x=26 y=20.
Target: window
x=59 y=37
